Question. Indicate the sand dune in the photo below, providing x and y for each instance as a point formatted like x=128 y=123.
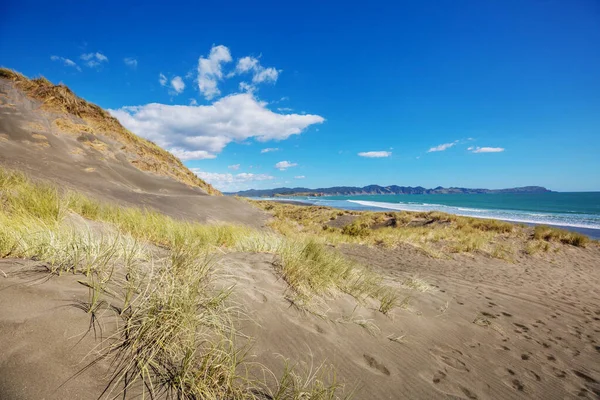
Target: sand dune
x=40 y=143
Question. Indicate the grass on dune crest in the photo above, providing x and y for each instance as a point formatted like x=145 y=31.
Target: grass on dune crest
x=307 y=265
x=548 y=234
x=148 y=156
x=175 y=334
x=435 y=232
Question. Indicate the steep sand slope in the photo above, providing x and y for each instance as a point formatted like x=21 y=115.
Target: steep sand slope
x=62 y=148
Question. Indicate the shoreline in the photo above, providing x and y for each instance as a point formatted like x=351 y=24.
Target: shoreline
x=590 y=232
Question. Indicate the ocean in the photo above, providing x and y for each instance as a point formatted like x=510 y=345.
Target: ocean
x=574 y=211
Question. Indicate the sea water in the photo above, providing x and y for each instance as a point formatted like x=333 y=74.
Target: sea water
x=575 y=211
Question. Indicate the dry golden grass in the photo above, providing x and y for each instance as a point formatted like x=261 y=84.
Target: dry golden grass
x=147 y=155
x=436 y=233
x=68 y=126
x=548 y=234
x=175 y=336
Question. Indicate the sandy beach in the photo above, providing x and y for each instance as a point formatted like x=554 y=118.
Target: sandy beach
x=117 y=281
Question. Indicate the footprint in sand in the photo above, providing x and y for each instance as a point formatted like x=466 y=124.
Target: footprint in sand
x=373 y=363
x=450 y=360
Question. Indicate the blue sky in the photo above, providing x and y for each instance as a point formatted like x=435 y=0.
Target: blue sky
x=507 y=92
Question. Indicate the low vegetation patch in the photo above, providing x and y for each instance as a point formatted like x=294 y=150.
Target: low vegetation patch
x=550 y=234
x=437 y=233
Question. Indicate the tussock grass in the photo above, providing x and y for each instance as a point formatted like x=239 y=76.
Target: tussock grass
x=309 y=267
x=549 y=234
x=147 y=155
x=307 y=381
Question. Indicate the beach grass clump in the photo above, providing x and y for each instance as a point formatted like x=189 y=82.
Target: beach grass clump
x=310 y=268
x=178 y=338
x=549 y=234
x=307 y=381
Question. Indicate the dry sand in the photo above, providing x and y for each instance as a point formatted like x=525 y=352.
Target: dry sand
x=487 y=329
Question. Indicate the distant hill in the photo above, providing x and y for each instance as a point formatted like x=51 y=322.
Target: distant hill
x=376 y=189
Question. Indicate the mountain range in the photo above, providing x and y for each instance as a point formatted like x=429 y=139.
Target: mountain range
x=376 y=189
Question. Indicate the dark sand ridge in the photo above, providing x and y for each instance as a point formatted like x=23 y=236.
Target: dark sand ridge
x=485 y=329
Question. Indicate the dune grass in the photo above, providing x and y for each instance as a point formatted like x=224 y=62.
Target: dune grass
x=175 y=336
x=550 y=234
x=147 y=156
x=307 y=265
x=436 y=233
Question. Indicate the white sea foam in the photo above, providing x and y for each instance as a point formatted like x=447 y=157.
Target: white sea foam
x=572 y=220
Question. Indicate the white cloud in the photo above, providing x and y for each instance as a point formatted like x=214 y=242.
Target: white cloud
x=269 y=149
x=193 y=102
x=283 y=165
x=177 y=84
x=130 y=62
x=375 y=154
x=184 y=155
x=66 y=61
x=246 y=64
x=93 y=59
x=260 y=74
x=203 y=131
x=162 y=80
x=299 y=177
x=234 y=167
x=210 y=71
x=284 y=109
x=266 y=75
x=246 y=87
x=442 y=147
x=223 y=181
x=485 y=149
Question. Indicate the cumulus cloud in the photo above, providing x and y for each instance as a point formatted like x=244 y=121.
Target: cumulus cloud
x=223 y=181
x=177 y=84
x=375 y=154
x=66 y=61
x=234 y=167
x=442 y=147
x=283 y=165
x=130 y=62
x=197 y=132
x=210 y=71
x=299 y=177
x=93 y=59
x=477 y=149
x=269 y=149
